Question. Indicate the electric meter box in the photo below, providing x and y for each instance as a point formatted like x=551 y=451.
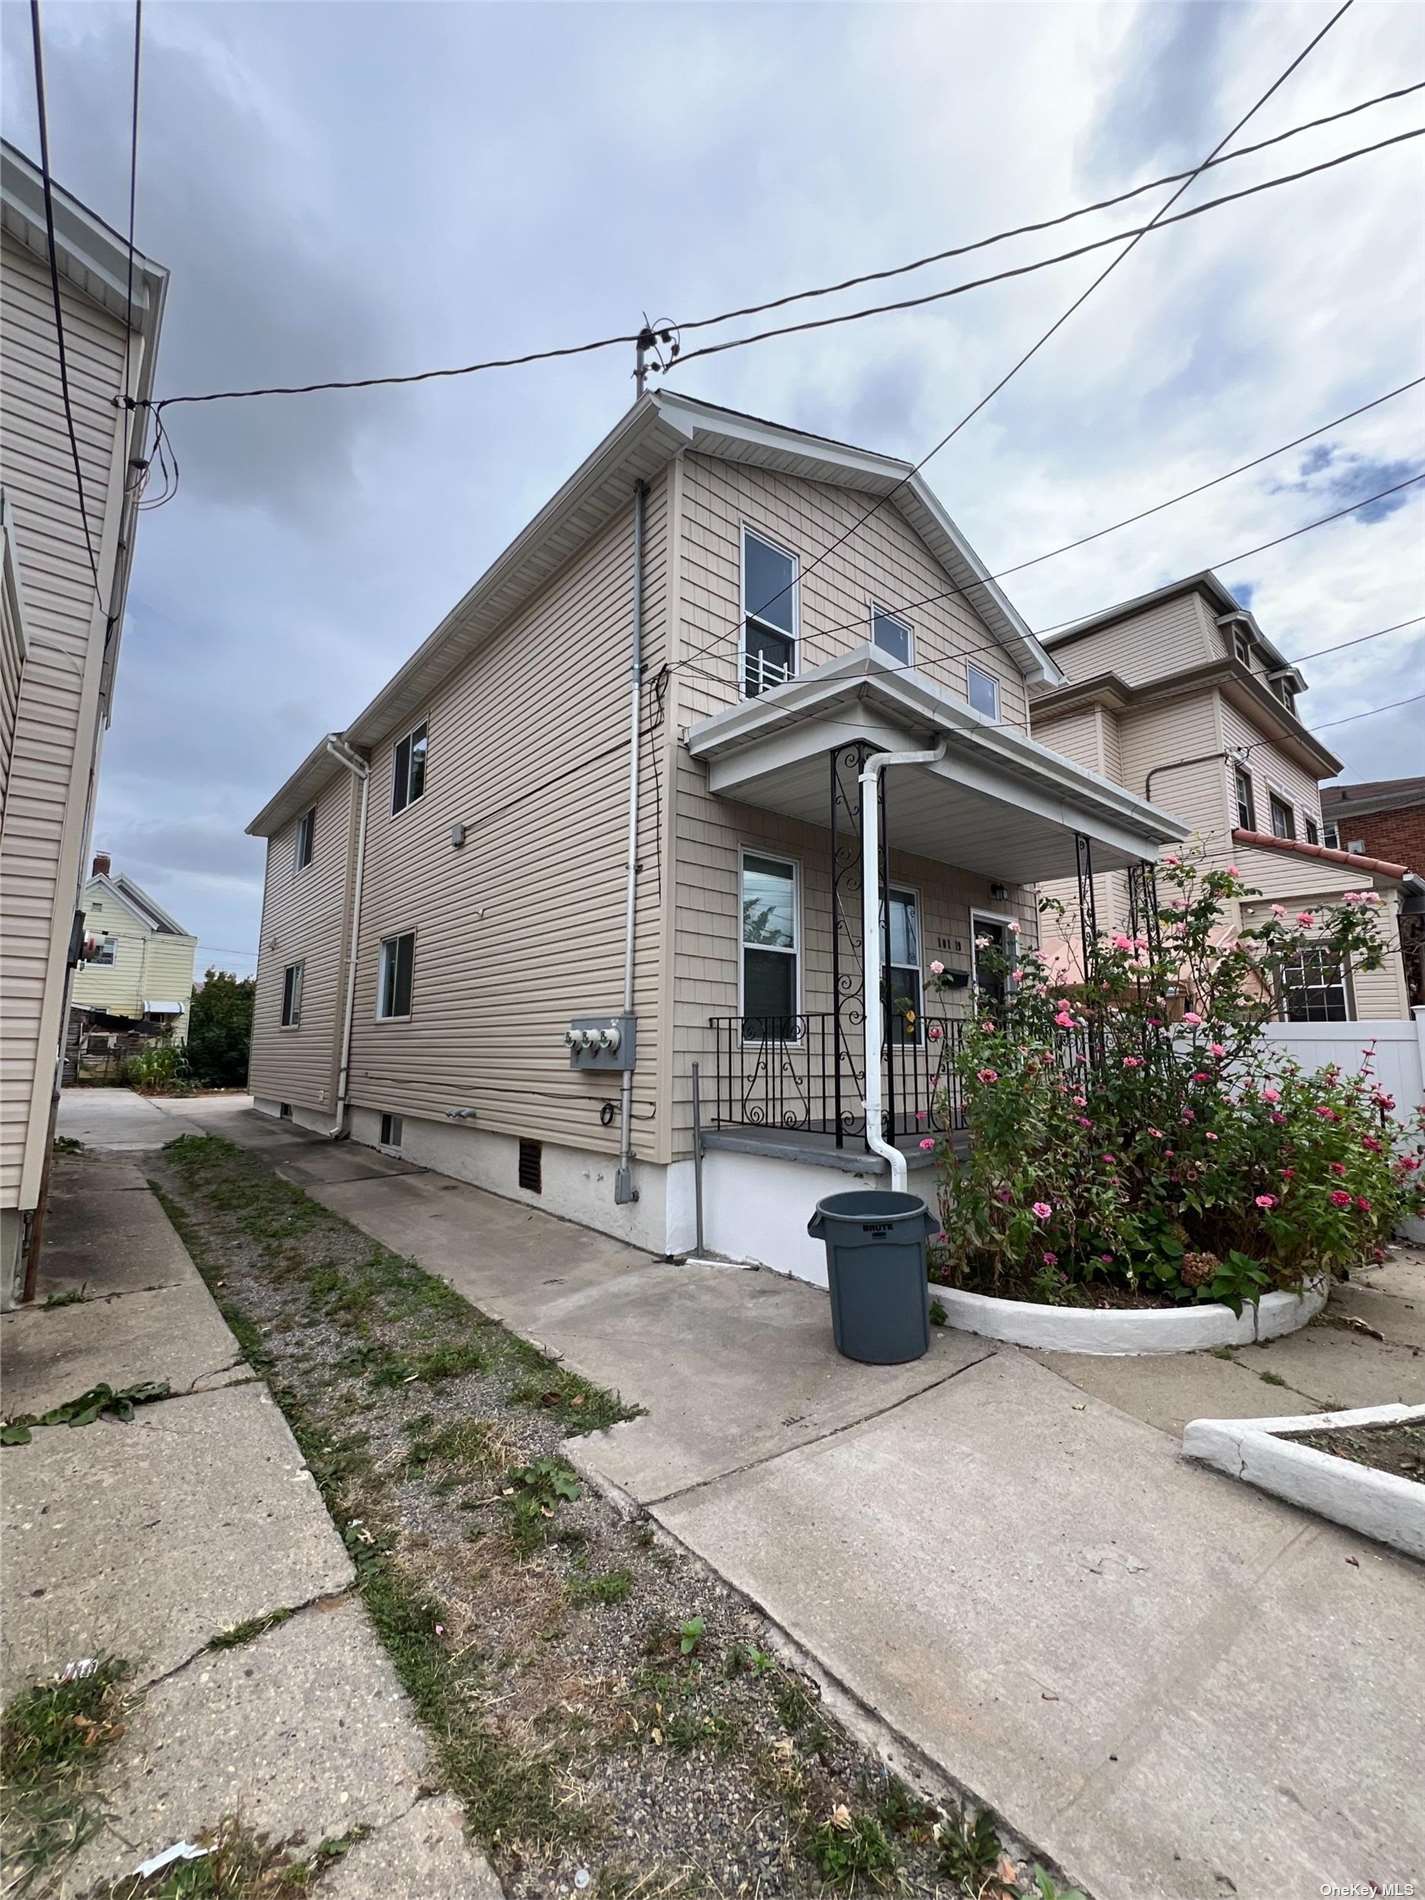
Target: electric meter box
x=601 y=1042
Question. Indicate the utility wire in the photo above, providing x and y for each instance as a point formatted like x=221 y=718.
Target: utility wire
x=1159 y=223
x=1351 y=718
x=1043 y=224
x=133 y=204
x=1360 y=640
x=1063 y=318
x=55 y=292
x=963 y=591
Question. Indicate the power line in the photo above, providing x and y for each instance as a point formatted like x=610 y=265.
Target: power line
x=910 y=606
x=133 y=204
x=1360 y=640
x=54 y=290
x=1369 y=714
x=1062 y=319
x=1159 y=223
x=1042 y=224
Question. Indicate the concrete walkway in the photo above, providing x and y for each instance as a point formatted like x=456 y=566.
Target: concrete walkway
x=145 y=1540
x=1175 y=1686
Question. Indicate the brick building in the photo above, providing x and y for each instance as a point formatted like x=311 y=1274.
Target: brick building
x=1385 y=818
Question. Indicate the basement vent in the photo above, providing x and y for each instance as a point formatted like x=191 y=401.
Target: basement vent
x=284 y=1110
x=391 y=1131
x=531 y=1166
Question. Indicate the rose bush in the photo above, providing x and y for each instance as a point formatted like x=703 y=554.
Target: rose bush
x=1121 y=1137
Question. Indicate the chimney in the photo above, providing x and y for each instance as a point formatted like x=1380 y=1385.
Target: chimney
x=101 y=864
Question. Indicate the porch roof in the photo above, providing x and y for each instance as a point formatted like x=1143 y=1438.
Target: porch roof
x=999 y=804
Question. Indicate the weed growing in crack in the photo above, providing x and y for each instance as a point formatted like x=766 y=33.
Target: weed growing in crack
x=248 y=1631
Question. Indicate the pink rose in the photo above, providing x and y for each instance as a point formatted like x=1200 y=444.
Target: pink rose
x=1191 y=1018
x=1132 y=1062
x=1266 y=1200
x=1232 y=871
x=937 y=968
x=927 y=1145
x=1340 y=1198
x=1217 y=1049
x=1279 y=910
x=1064 y=1019
x=987 y=1075
x=1120 y=942
x=1041 y=1210
x=1271 y=1095
x=1307 y=919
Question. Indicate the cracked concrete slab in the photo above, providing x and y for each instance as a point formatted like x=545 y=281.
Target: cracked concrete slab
x=144 y=1540
x=106 y=1240
x=1037 y=1592
x=175 y=1335
x=1340 y=1367
x=1169 y=1391
x=303 y=1731
x=339 y=1162
x=422 y=1854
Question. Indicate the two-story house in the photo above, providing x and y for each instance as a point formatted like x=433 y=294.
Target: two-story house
x=1385 y=818
x=61 y=621
x=135 y=980
x=735 y=693
x=1180 y=697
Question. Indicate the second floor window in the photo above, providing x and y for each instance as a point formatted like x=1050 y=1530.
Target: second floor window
x=1246 y=805
x=410 y=775
x=306 y=835
x=1241 y=644
x=982 y=691
x=769 y=607
x=1313 y=831
x=292 y=996
x=104 y=953
x=891 y=635
x=1331 y=837
x=393 y=985
x=1283 y=823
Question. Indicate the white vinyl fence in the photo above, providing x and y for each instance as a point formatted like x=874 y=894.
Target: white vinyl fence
x=1398 y=1058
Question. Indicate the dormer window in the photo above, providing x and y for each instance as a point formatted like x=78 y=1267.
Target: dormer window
x=1241 y=643
x=769 y=608
x=1285 y=692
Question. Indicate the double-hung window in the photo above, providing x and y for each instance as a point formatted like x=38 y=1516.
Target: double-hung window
x=893 y=636
x=1313 y=830
x=1283 y=821
x=1331 y=837
x=1246 y=803
x=769 y=609
x=306 y=837
x=106 y=951
x=982 y=690
x=292 y=996
x=409 y=781
x=771 y=948
x=393 y=984
x=1313 y=986
x=903 y=968
x=1241 y=644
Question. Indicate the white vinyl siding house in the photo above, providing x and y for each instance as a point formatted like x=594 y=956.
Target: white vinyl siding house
x=59 y=701
x=137 y=965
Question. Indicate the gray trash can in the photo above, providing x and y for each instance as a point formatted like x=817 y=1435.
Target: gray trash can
x=875 y=1261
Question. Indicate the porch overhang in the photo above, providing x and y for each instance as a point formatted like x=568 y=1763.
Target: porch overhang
x=998 y=804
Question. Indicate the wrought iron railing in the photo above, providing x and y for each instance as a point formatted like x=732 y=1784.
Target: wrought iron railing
x=803 y=1074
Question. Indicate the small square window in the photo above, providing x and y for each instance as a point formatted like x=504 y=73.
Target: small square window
x=105 y=953
x=393 y=989
x=306 y=834
x=1246 y=804
x=409 y=777
x=893 y=636
x=983 y=691
x=391 y=1131
x=292 y=996
x=1283 y=821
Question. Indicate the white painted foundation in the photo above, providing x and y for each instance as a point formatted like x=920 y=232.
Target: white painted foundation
x=756 y=1208
x=316 y=1121
x=1117 y=1332
x=1375 y=1503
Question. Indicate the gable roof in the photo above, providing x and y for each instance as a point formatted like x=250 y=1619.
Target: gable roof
x=139 y=902
x=91 y=255
x=1219 y=597
x=644 y=440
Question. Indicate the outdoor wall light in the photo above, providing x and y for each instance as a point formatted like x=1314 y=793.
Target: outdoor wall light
x=457 y=836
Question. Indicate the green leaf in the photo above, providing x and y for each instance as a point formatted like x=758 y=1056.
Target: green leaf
x=15 y=1433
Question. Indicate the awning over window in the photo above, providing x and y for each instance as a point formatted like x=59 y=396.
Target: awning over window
x=999 y=804
x=150 y=1008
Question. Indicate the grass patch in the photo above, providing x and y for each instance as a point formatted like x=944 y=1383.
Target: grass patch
x=255 y=1626
x=465 y=1448
x=239 y=1865
x=613 y=1586
x=578 y=1405
x=51 y=1738
x=1271 y=1378
x=849 y=1850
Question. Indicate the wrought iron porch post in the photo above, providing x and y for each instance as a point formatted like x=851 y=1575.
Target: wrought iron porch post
x=1088 y=912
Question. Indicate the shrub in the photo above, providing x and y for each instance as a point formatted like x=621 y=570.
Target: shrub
x=1120 y=1136
x=161 y=1069
x=220 y=1029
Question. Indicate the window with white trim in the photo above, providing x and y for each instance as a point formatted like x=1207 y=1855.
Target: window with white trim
x=392 y=1128
x=105 y=953
x=769 y=614
x=1283 y=819
x=409 y=778
x=771 y=952
x=1241 y=644
x=892 y=635
x=292 y=996
x=982 y=690
x=1246 y=803
x=393 y=983
x=1313 y=830
x=306 y=835
x=903 y=985
x=1331 y=837
x=1313 y=987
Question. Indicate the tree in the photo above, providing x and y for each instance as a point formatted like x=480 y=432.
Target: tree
x=220 y=1029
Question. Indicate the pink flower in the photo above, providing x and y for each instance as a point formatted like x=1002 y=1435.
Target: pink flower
x=1217 y=1049
x=1191 y=1018
x=988 y=1027
x=1064 y=1019
x=1201 y=1075
x=987 y=1075
x=1042 y=1210
x=1208 y=1135
x=1081 y=1101
x=934 y=1032
x=1016 y=976
x=1110 y=1157
x=1381 y=1100
x=1363 y=1204
x=1266 y=1200
x=1338 y=1167
x=1083 y=1121
x=1189 y=1115
x=1155 y=1134
x=1326 y=1114
x=1369 y=1141
x=937 y=968
x=1408 y=1163
x=1232 y=871
x=1279 y=910
x=1172 y=863
x=1050 y=1259
x=1279 y=1119
x=1271 y=1095
x=1014 y=927
x=1370 y=897
x=1340 y=1198
x=1288 y=1174
x=1061 y=1002
x=1120 y=942
x=1132 y=1062
x=1307 y=919
x=1107 y=1259
x=927 y=1145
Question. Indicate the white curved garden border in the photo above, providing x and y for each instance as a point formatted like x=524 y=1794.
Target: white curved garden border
x=1128 y=1330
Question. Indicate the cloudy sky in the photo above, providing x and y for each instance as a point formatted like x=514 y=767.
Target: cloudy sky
x=344 y=190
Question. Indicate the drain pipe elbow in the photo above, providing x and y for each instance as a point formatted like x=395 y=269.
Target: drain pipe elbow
x=874 y=1029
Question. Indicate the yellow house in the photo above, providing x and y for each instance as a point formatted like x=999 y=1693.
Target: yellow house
x=137 y=967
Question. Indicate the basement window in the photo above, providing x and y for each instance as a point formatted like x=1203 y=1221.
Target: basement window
x=292 y=996
x=409 y=779
x=1283 y=820
x=393 y=988
x=531 y=1167
x=284 y=1111
x=391 y=1131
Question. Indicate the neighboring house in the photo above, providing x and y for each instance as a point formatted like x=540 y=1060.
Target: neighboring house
x=1385 y=818
x=61 y=631
x=1180 y=697
x=135 y=981
x=498 y=934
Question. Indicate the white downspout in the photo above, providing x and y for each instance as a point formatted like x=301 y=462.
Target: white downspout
x=360 y=770
x=624 y=1190
x=871 y=944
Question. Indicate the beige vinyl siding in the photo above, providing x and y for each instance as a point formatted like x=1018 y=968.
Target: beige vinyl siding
x=1168 y=638
x=1090 y=736
x=884 y=562
x=305 y=919
x=12 y=648
x=1377 y=995
x=56 y=717
x=1272 y=771
x=522 y=928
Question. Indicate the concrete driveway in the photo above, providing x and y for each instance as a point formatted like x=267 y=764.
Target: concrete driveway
x=1177 y=1687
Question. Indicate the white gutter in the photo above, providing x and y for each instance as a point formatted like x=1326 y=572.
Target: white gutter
x=871 y=944
x=360 y=770
x=624 y=1190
